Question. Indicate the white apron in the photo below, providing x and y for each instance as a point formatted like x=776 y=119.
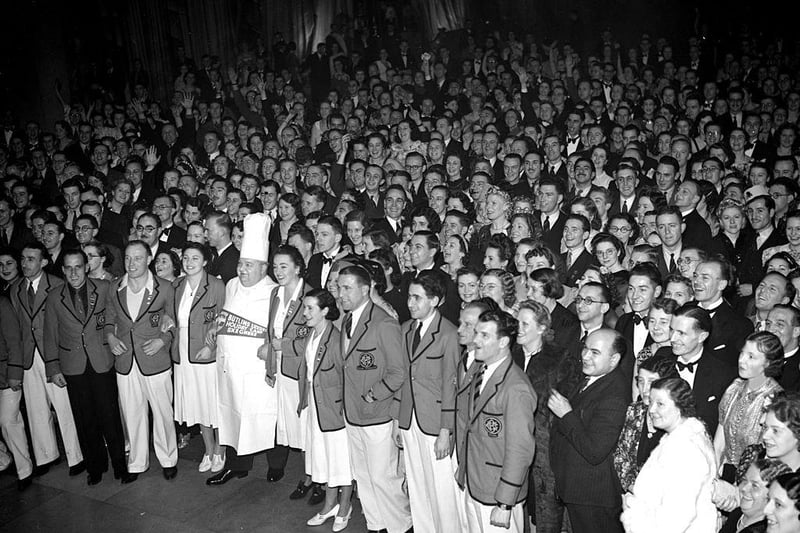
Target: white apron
x=248 y=407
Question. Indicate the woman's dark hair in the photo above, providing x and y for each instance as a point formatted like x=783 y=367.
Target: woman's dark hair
x=202 y=248
x=770 y=345
x=657 y=198
x=293 y=254
x=293 y=200
x=680 y=392
x=503 y=245
x=325 y=300
x=791 y=484
x=769 y=469
x=102 y=251
x=542 y=250
x=387 y=260
x=668 y=305
x=551 y=284
x=786 y=257
x=174 y=259
x=533 y=223
x=616 y=243
x=463 y=246
x=627 y=217
x=786 y=408
x=663 y=366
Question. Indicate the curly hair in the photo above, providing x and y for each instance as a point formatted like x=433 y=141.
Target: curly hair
x=791 y=484
x=507 y=281
x=786 y=408
x=541 y=315
x=679 y=392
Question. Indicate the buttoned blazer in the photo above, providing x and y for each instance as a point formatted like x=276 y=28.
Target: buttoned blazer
x=373 y=361
x=70 y=339
x=294 y=335
x=327 y=382
x=494 y=437
x=429 y=391
x=31 y=321
x=206 y=305
x=582 y=442
x=577 y=268
x=135 y=331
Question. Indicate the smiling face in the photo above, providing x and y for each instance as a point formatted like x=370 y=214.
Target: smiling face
x=753 y=493
x=778 y=439
x=663 y=411
x=781 y=511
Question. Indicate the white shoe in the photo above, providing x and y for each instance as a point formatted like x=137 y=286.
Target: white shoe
x=217 y=463
x=340 y=522
x=319 y=518
x=205 y=464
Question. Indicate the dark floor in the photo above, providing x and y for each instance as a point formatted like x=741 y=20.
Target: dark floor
x=57 y=502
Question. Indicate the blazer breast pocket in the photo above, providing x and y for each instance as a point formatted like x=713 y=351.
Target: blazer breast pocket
x=155 y=319
x=492 y=424
x=366 y=359
x=100 y=320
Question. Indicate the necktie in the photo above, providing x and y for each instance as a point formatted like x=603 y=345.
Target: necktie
x=79 y=303
x=624 y=207
x=31 y=296
x=552 y=169
x=671 y=262
x=569 y=260
x=585 y=383
x=3 y=237
x=686 y=366
x=546 y=225
x=477 y=381
x=417 y=337
x=347 y=325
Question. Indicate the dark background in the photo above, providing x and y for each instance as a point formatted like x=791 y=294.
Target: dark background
x=44 y=42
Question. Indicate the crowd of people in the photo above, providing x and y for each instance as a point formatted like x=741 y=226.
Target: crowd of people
x=475 y=287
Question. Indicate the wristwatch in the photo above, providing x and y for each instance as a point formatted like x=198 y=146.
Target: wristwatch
x=505 y=507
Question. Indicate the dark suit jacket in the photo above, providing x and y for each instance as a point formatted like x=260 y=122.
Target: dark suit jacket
x=383 y=224
x=31 y=321
x=616 y=205
x=565 y=325
x=135 y=331
x=224 y=266
x=373 y=361
x=20 y=236
x=176 y=237
x=697 y=233
x=10 y=341
x=582 y=443
x=76 y=338
x=429 y=392
x=578 y=267
x=711 y=380
x=314 y=271
x=728 y=332
x=790 y=378
x=494 y=437
x=327 y=382
x=662 y=265
x=552 y=237
x=751 y=269
x=625 y=325
x=206 y=305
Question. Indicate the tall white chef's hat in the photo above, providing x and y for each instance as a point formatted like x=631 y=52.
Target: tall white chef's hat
x=255 y=240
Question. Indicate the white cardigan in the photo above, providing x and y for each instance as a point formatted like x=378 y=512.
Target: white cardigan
x=672 y=493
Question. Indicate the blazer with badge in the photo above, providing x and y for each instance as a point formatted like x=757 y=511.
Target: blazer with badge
x=31 y=321
x=577 y=268
x=429 y=392
x=327 y=382
x=582 y=442
x=206 y=305
x=76 y=338
x=373 y=362
x=494 y=437
x=293 y=337
x=135 y=331
x=10 y=341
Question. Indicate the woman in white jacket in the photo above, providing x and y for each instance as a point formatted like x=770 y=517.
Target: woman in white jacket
x=673 y=490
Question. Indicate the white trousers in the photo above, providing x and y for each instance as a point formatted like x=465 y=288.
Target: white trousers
x=39 y=397
x=431 y=483
x=136 y=392
x=13 y=428
x=479 y=515
x=374 y=459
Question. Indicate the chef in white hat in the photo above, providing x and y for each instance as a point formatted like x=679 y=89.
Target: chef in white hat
x=248 y=405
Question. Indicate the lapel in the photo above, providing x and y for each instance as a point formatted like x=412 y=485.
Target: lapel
x=147 y=301
x=426 y=340
x=66 y=301
x=41 y=294
x=702 y=383
x=294 y=309
x=322 y=349
x=360 y=329
x=201 y=290
x=23 y=296
x=492 y=385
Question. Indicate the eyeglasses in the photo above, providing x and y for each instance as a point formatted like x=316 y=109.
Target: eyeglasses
x=81 y=229
x=687 y=261
x=579 y=300
x=777 y=195
x=618 y=229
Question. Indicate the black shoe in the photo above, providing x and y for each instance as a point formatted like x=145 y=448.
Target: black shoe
x=225 y=476
x=300 y=491
x=170 y=472
x=127 y=478
x=273 y=474
x=24 y=483
x=317 y=494
x=77 y=469
x=94 y=479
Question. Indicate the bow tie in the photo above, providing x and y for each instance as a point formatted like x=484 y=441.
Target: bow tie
x=607 y=84
x=637 y=319
x=327 y=260
x=571 y=141
x=686 y=366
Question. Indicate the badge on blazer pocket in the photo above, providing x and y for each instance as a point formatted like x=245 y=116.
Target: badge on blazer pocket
x=100 y=320
x=208 y=316
x=493 y=426
x=366 y=361
x=155 y=318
